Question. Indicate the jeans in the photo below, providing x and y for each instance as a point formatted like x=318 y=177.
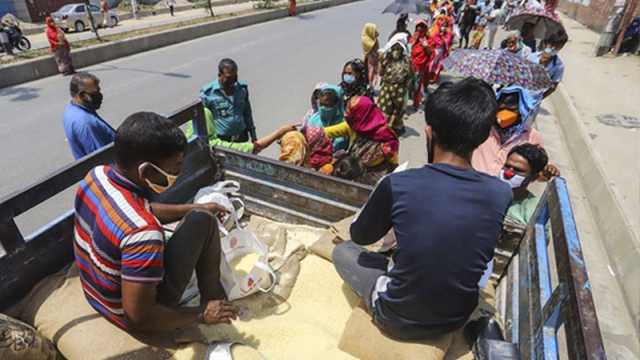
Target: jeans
x=195 y=245
x=359 y=268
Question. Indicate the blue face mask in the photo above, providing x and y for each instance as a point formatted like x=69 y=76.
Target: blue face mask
x=348 y=78
x=328 y=114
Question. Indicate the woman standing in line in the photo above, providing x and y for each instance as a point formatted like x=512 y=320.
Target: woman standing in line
x=59 y=46
x=370 y=48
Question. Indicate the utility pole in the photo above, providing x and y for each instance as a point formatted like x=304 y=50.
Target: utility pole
x=87 y=5
x=632 y=6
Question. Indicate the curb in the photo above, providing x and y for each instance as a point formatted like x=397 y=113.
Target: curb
x=620 y=241
x=46 y=66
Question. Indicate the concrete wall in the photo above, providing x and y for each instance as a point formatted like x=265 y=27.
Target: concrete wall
x=15 y=7
x=594 y=15
x=43 y=67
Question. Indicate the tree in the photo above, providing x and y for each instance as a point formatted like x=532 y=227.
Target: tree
x=87 y=6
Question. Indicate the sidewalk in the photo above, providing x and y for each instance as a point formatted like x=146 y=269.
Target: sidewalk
x=601 y=86
x=39 y=41
x=604 y=176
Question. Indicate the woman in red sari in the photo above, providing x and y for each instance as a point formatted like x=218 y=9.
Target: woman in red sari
x=59 y=46
x=420 y=57
x=440 y=43
x=292 y=7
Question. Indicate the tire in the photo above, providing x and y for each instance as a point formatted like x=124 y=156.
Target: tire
x=114 y=21
x=79 y=26
x=23 y=44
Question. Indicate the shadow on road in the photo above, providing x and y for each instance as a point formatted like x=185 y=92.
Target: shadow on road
x=20 y=93
x=305 y=17
x=111 y=67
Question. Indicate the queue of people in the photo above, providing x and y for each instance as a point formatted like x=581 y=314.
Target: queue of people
x=483 y=153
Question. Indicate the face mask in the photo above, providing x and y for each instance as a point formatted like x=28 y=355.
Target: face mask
x=93 y=101
x=506 y=118
x=170 y=179
x=348 y=78
x=396 y=54
x=510 y=177
x=328 y=113
x=551 y=51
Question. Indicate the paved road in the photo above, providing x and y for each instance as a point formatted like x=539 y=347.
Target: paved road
x=39 y=41
x=281 y=60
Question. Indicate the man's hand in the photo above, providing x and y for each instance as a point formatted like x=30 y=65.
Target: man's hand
x=213 y=208
x=219 y=312
x=550 y=171
x=264 y=142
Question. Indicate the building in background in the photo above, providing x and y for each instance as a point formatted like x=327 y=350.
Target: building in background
x=606 y=17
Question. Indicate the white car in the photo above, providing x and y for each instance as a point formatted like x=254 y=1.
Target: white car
x=75 y=17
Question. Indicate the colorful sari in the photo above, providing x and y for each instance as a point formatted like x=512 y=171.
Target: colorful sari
x=370 y=50
x=59 y=46
x=320 y=148
x=420 y=56
x=369 y=123
x=439 y=42
x=293 y=148
x=395 y=82
x=322 y=119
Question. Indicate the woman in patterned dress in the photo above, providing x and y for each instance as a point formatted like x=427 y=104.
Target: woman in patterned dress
x=396 y=76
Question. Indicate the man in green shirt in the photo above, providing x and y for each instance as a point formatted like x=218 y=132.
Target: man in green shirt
x=525 y=163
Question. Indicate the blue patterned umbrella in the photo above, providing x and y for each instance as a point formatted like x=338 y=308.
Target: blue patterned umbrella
x=498 y=67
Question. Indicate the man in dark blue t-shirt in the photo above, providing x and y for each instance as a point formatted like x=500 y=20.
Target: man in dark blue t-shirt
x=446 y=218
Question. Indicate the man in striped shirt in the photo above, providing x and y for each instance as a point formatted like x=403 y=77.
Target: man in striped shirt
x=130 y=274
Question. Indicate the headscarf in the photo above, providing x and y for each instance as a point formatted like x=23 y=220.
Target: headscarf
x=293 y=148
x=320 y=147
x=528 y=105
x=400 y=38
x=320 y=120
x=317 y=119
x=366 y=119
x=51 y=31
x=361 y=86
x=419 y=57
x=369 y=37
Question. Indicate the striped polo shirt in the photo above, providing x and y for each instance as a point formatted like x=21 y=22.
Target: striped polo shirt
x=116 y=237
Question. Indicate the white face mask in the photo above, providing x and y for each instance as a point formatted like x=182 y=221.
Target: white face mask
x=551 y=51
x=510 y=177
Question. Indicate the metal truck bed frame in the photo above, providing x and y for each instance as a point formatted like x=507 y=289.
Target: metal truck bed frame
x=293 y=194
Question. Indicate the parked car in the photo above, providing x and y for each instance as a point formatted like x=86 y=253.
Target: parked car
x=75 y=17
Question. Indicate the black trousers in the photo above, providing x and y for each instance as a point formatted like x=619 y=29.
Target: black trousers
x=195 y=245
x=171 y=9
x=244 y=137
x=464 y=35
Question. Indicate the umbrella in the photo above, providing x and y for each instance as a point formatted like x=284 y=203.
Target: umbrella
x=498 y=67
x=406 y=7
x=545 y=23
